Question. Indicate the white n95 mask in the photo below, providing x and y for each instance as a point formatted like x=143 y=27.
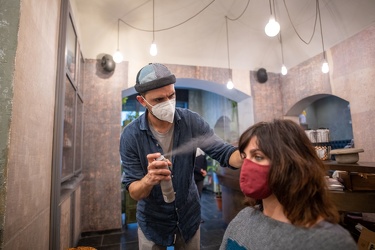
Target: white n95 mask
x=164 y=111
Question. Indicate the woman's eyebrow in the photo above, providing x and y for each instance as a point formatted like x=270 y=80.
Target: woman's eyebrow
x=255 y=150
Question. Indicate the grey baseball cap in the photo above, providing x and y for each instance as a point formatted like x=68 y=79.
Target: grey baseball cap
x=153 y=76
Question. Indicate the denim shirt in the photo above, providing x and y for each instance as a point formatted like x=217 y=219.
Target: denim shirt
x=158 y=220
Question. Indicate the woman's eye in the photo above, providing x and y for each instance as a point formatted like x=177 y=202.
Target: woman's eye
x=258 y=158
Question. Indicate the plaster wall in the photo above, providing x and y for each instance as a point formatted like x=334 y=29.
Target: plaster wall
x=351 y=77
x=27 y=211
x=267 y=97
x=101 y=187
x=9 y=13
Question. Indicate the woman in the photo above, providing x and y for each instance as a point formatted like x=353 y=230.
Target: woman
x=281 y=169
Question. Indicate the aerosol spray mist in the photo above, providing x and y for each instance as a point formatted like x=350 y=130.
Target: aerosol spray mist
x=166 y=186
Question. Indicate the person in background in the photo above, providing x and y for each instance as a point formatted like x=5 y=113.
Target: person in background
x=200 y=170
x=282 y=170
x=175 y=133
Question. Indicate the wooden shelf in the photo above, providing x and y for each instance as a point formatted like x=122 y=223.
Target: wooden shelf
x=353 y=201
x=359 y=167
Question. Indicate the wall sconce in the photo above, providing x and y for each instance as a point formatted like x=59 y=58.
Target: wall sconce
x=153 y=48
x=230 y=84
x=273 y=27
x=325 y=66
x=262 y=76
x=107 y=63
x=117 y=56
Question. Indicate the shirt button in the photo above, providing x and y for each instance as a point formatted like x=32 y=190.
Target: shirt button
x=178 y=222
x=176 y=209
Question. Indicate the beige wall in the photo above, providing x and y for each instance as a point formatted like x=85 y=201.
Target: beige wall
x=27 y=213
x=351 y=77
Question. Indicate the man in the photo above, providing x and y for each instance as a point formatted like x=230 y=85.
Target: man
x=175 y=133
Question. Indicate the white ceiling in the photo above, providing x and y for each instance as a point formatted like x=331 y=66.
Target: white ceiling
x=202 y=40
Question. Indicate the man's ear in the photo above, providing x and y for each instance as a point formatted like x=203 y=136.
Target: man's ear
x=141 y=100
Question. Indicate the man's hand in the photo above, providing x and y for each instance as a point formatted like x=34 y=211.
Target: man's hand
x=203 y=172
x=157 y=171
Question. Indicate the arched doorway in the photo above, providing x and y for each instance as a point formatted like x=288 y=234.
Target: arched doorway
x=326 y=111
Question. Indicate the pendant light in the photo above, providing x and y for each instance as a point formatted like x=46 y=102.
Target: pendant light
x=273 y=27
x=230 y=84
x=284 y=70
x=153 y=48
x=117 y=56
x=325 y=66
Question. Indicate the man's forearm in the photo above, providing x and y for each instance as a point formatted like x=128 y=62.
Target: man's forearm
x=139 y=190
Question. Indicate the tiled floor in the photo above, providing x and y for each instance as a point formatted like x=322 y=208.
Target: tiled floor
x=212 y=231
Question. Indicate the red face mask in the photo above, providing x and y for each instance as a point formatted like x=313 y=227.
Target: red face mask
x=254 y=180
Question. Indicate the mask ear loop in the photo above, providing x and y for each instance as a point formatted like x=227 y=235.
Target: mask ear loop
x=150 y=110
x=146 y=101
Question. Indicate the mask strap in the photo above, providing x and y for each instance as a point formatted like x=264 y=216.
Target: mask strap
x=150 y=110
x=146 y=101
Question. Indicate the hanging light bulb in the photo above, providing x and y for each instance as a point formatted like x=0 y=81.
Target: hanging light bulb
x=325 y=67
x=272 y=28
x=118 y=57
x=284 y=70
x=153 y=49
x=230 y=84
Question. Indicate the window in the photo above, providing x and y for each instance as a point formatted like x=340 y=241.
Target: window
x=73 y=105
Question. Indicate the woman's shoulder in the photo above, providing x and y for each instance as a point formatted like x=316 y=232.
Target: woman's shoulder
x=252 y=229
x=248 y=213
x=335 y=234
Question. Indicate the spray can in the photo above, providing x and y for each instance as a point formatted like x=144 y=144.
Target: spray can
x=166 y=186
